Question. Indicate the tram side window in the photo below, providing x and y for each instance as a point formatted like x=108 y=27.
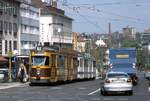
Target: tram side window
x=69 y=62
x=85 y=63
x=53 y=60
x=75 y=62
x=81 y=62
x=94 y=63
x=61 y=61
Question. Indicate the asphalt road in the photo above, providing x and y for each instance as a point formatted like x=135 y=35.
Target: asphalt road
x=79 y=91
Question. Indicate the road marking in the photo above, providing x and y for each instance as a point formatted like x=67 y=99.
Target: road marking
x=96 y=99
x=56 y=88
x=109 y=99
x=82 y=88
x=122 y=99
x=95 y=91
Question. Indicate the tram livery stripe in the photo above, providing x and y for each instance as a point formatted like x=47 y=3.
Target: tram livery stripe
x=40 y=77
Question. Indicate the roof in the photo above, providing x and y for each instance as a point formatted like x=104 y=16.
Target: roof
x=47 y=9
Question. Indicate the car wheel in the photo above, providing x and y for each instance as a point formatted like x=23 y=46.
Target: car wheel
x=130 y=92
x=103 y=92
x=135 y=83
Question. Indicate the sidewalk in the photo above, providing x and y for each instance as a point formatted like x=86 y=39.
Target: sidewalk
x=12 y=84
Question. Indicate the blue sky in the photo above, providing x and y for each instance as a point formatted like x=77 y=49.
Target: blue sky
x=94 y=15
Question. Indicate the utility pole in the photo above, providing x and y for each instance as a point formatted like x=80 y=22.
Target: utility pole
x=109 y=35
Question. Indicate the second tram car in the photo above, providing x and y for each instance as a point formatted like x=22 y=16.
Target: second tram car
x=51 y=65
x=86 y=67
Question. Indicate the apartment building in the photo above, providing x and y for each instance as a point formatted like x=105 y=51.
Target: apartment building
x=129 y=32
x=29 y=37
x=9 y=26
x=55 y=26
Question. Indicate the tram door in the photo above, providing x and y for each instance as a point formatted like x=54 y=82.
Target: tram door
x=53 y=68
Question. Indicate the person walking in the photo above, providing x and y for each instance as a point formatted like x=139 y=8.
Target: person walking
x=22 y=72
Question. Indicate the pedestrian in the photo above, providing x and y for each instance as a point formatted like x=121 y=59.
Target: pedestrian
x=22 y=73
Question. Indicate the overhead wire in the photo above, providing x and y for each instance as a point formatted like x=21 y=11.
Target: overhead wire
x=108 y=12
x=86 y=19
x=107 y=3
x=92 y=7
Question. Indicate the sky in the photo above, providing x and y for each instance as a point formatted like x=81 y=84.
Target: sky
x=93 y=16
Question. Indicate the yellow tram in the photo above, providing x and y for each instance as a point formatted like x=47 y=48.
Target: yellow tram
x=51 y=64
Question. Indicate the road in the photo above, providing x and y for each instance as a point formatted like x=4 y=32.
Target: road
x=79 y=91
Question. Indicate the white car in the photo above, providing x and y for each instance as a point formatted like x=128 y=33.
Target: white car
x=117 y=82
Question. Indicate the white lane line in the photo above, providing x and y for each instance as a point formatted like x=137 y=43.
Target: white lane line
x=95 y=91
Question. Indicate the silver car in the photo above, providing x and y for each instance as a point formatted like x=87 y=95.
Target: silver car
x=117 y=82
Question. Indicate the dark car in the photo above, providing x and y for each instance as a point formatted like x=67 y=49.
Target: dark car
x=147 y=75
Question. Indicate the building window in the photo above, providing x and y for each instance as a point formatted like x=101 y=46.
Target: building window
x=1 y=26
x=15 y=29
x=15 y=11
x=5 y=27
x=10 y=46
x=10 y=27
x=15 y=45
x=6 y=47
x=1 y=6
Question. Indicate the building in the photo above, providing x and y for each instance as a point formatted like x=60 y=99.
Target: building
x=9 y=26
x=129 y=32
x=78 y=42
x=146 y=37
x=55 y=26
x=29 y=37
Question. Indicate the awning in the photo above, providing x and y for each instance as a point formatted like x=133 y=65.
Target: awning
x=3 y=59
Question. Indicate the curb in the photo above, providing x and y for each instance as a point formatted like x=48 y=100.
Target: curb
x=11 y=85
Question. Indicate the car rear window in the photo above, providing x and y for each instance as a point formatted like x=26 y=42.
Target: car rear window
x=117 y=76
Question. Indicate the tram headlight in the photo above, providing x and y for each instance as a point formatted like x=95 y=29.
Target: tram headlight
x=38 y=71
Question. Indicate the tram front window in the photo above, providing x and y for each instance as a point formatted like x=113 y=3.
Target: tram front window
x=40 y=61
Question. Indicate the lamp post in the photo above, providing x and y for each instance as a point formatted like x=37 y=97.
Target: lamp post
x=148 y=55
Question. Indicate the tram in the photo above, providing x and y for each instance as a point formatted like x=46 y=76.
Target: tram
x=52 y=64
x=86 y=67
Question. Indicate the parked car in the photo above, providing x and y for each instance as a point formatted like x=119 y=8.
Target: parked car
x=147 y=75
x=117 y=82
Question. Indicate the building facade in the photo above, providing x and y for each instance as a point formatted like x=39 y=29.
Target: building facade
x=146 y=37
x=29 y=37
x=55 y=27
x=9 y=26
x=129 y=32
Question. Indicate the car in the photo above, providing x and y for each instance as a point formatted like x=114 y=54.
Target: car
x=147 y=75
x=117 y=82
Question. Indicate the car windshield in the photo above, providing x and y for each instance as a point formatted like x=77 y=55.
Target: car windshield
x=117 y=75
